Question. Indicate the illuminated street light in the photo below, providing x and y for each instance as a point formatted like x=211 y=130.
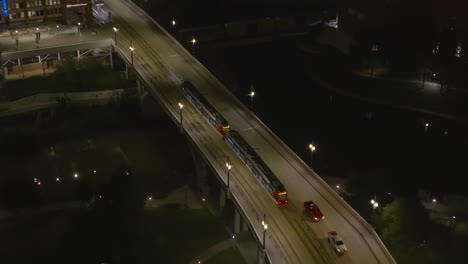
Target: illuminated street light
x=312 y=149
x=265 y=227
x=228 y=166
x=251 y=94
x=374 y=50
x=181 y=107
x=131 y=53
x=173 y=25
x=426 y=126
x=434 y=203
x=338 y=189
x=115 y=35
x=193 y=41
x=374 y=204
x=57 y=179
x=75 y=175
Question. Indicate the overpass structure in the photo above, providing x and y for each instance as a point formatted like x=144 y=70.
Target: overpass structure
x=161 y=65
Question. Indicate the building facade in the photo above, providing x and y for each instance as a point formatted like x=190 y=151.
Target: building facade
x=25 y=12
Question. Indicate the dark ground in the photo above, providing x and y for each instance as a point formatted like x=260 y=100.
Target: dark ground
x=386 y=147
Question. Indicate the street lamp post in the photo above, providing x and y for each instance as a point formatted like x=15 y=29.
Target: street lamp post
x=374 y=204
x=173 y=26
x=131 y=53
x=374 y=50
x=181 y=107
x=115 y=35
x=193 y=45
x=265 y=227
x=228 y=166
x=150 y=199
x=426 y=126
x=312 y=149
x=251 y=95
x=434 y=202
x=338 y=189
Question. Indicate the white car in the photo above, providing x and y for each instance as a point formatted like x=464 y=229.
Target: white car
x=336 y=242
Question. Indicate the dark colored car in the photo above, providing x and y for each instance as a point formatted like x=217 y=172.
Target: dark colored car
x=313 y=210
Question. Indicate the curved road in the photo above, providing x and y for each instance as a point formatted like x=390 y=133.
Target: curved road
x=291 y=237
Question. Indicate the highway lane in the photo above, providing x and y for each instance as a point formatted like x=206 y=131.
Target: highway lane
x=306 y=241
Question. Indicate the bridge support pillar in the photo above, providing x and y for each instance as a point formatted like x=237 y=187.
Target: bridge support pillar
x=237 y=221
x=222 y=199
x=78 y=54
x=58 y=56
x=201 y=171
x=126 y=70
x=111 y=59
x=245 y=226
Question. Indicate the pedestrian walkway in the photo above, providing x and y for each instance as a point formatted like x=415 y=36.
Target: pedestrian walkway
x=213 y=251
x=51 y=35
x=47 y=100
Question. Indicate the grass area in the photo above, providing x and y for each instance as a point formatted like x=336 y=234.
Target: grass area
x=228 y=256
x=92 y=140
x=77 y=236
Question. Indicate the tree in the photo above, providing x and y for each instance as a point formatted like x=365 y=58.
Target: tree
x=405 y=228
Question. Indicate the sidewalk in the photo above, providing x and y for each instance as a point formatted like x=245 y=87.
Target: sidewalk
x=51 y=36
x=47 y=100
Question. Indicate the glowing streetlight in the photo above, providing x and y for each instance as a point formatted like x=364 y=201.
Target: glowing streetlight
x=374 y=204
x=265 y=227
x=173 y=25
x=57 y=179
x=426 y=126
x=131 y=53
x=434 y=202
x=228 y=166
x=251 y=95
x=181 y=107
x=338 y=189
x=312 y=149
x=75 y=175
x=374 y=50
x=115 y=35
x=193 y=41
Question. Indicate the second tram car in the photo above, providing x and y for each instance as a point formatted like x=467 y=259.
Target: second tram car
x=205 y=108
x=259 y=169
